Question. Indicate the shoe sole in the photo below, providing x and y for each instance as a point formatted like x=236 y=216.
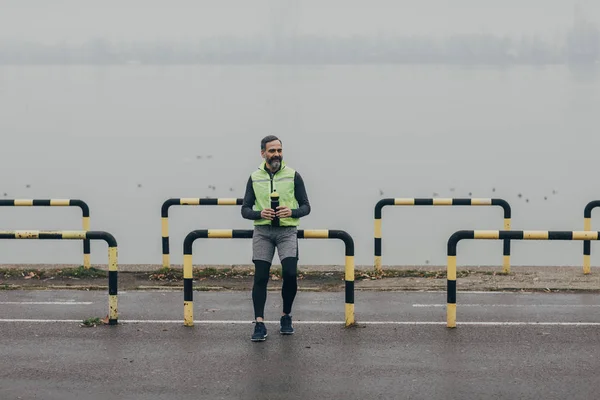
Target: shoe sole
x=286 y=333
x=259 y=340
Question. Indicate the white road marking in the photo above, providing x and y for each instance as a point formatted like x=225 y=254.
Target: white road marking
x=341 y=323
x=509 y=305
x=499 y=291
x=70 y=303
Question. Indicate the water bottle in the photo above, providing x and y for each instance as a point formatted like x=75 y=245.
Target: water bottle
x=274 y=205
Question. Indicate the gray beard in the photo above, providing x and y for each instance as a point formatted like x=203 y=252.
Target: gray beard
x=275 y=164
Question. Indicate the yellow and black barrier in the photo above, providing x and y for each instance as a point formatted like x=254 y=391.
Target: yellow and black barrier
x=587 y=226
x=192 y=201
x=441 y=202
x=501 y=235
x=188 y=293
x=82 y=235
x=58 y=203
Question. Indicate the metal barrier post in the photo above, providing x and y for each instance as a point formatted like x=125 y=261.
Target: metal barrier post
x=441 y=202
x=164 y=213
x=349 y=263
x=502 y=235
x=587 y=226
x=59 y=203
x=83 y=235
x=188 y=292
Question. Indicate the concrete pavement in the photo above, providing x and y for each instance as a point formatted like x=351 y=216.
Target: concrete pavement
x=396 y=306
x=400 y=349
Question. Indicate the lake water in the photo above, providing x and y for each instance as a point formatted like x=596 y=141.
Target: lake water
x=98 y=132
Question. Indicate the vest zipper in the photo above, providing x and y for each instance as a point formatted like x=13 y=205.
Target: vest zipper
x=272 y=176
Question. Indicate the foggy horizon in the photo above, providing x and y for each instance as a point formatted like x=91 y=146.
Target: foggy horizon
x=98 y=85
x=74 y=21
x=150 y=32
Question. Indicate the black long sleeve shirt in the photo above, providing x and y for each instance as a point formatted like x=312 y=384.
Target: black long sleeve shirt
x=299 y=192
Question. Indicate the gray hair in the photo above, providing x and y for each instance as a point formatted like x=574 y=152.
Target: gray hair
x=267 y=139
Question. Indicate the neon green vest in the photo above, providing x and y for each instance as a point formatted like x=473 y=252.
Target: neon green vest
x=283 y=184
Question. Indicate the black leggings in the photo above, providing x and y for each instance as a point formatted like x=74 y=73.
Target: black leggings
x=289 y=288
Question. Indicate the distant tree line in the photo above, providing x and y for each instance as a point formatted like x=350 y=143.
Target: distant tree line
x=581 y=45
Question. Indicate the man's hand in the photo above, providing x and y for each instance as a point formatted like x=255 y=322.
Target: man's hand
x=267 y=213
x=283 y=212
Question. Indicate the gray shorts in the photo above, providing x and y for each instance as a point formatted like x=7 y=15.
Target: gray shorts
x=266 y=238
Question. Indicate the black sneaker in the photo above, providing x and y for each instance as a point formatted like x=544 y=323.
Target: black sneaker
x=260 y=332
x=286 y=325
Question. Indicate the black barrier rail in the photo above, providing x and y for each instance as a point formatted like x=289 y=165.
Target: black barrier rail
x=441 y=202
x=82 y=235
x=188 y=293
x=58 y=203
x=587 y=226
x=501 y=235
x=189 y=201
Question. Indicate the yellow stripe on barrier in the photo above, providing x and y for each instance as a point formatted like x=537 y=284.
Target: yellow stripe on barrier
x=451 y=268
x=112 y=258
x=72 y=234
x=24 y=202
x=188 y=313
x=451 y=316
x=506 y=264
x=586 y=264
x=378 y=263
x=349 y=269
x=112 y=307
x=585 y=235
x=220 y=233
x=404 y=202
x=227 y=202
x=349 y=313
x=316 y=234
x=378 y=228
x=60 y=202
x=165 y=226
x=481 y=202
x=487 y=234
x=189 y=201
x=188 y=272
x=442 y=202
x=27 y=234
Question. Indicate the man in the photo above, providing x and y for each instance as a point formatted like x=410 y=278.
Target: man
x=273 y=175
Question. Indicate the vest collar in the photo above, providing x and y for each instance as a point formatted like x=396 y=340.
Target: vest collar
x=263 y=166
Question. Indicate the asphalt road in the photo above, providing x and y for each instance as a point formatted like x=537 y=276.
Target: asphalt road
x=506 y=345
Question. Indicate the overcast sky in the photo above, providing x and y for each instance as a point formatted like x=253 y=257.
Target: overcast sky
x=52 y=21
